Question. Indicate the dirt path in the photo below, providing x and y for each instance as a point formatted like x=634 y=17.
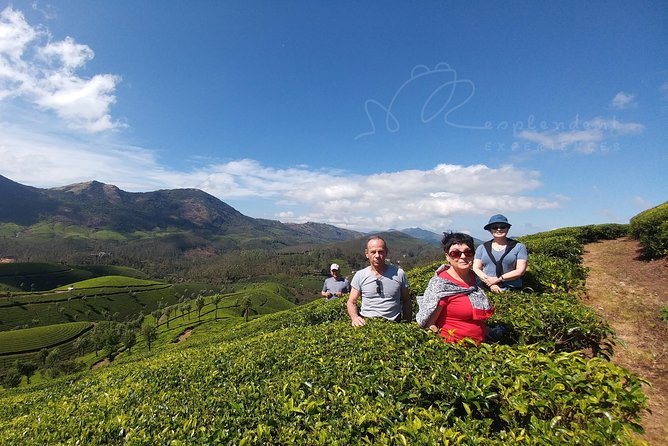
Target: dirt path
x=629 y=294
x=185 y=335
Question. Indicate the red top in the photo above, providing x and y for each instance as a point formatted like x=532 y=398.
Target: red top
x=456 y=319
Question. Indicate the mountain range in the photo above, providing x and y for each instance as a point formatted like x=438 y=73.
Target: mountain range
x=172 y=230
x=98 y=206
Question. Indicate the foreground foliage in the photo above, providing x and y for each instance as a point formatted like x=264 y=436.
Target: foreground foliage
x=332 y=384
x=650 y=228
x=305 y=376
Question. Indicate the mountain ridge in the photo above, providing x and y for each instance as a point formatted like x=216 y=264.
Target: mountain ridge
x=97 y=205
x=175 y=233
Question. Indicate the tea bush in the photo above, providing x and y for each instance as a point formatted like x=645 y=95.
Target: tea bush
x=553 y=320
x=584 y=234
x=546 y=273
x=563 y=247
x=329 y=383
x=18 y=341
x=650 y=228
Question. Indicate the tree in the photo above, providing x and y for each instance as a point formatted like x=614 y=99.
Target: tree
x=199 y=303
x=167 y=312
x=149 y=333
x=112 y=339
x=11 y=378
x=53 y=358
x=96 y=337
x=81 y=344
x=129 y=337
x=156 y=315
x=245 y=305
x=27 y=368
x=43 y=353
x=216 y=300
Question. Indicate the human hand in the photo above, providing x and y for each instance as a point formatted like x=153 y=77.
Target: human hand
x=495 y=288
x=358 y=321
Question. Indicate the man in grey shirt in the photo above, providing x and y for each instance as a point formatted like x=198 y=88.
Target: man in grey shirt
x=335 y=286
x=382 y=287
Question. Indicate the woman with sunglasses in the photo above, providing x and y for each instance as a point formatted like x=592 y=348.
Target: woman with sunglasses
x=452 y=304
x=501 y=262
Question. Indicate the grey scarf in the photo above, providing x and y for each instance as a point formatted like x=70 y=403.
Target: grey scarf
x=439 y=288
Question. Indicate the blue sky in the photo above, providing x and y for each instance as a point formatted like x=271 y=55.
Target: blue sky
x=365 y=115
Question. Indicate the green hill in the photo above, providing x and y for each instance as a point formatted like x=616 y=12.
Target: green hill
x=36 y=276
x=305 y=376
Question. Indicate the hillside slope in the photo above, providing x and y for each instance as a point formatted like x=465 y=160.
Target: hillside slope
x=630 y=293
x=96 y=205
x=305 y=376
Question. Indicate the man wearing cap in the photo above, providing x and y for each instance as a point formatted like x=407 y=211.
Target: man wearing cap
x=501 y=262
x=336 y=285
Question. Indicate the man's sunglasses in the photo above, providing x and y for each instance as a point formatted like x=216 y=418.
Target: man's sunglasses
x=456 y=253
x=499 y=228
x=378 y=287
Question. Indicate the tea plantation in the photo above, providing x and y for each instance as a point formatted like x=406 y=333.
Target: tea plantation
x=305 y=376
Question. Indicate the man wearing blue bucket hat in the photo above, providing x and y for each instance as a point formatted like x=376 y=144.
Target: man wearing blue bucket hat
x=501 y=262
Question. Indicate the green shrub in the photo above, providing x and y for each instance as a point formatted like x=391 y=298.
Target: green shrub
x=650 y=228
x=609 y=231
x=332 y=384
x=664 y=314
x=585 y=234
x=546 y=273
x=418 y=278
x=550 y=315
x=556 y=321
x=560 y=246
x=33 y=339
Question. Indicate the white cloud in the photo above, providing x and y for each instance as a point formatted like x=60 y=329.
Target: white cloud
x=42 y=73
x=623 y=100
x=587 y=139
x=615 y=127
x=430 y=198
x=66 y=52
x=562 y=140
x=15 y=34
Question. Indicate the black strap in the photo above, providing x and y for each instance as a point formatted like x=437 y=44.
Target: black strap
x=499 y=263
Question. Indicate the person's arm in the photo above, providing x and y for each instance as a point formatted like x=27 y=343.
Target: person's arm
x=324 y=291
x=406 y=304
x=477 y=269
x=431 y=322
x=491 y=281
x=355 y=319
x=520 y=269
x=520 y=264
